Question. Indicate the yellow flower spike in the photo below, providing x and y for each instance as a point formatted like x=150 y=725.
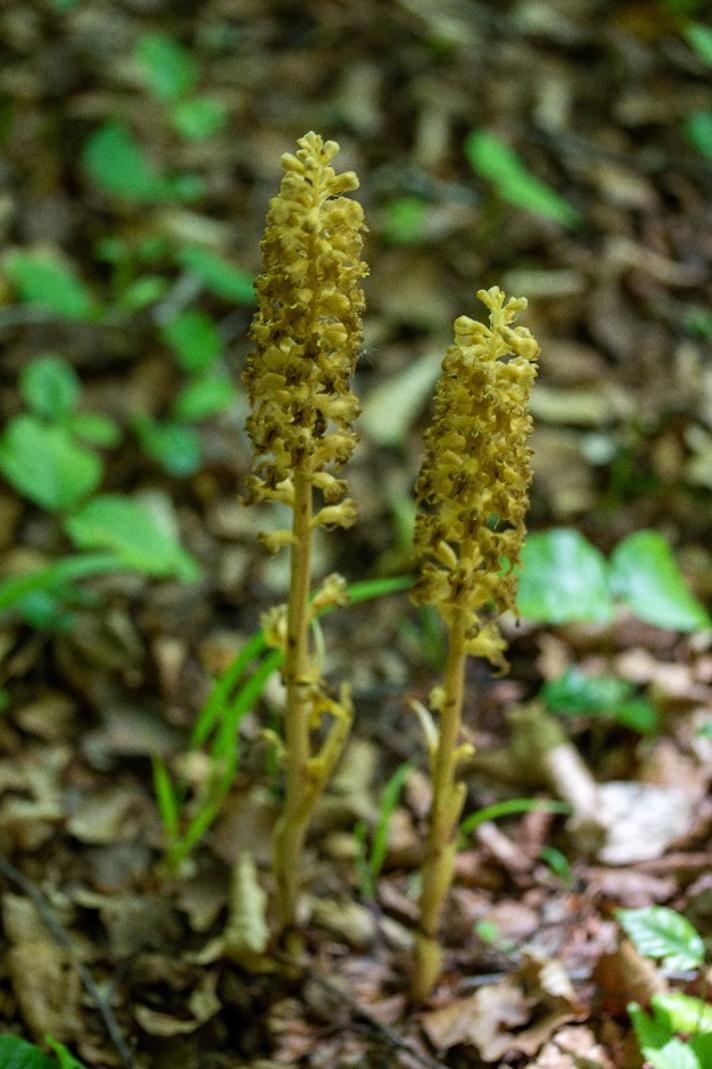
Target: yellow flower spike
x=473 y=496
x=306 y=335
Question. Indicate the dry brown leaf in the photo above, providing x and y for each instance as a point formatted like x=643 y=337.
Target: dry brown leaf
x=574 y=1047
x=47 y=988
x=626 y=976
x=480 y=1020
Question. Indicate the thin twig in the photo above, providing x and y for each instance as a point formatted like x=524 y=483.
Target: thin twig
x=383 y=1031
x=62 y=939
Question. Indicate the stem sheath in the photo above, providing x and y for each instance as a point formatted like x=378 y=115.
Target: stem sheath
x=448 y=798
x=291 y=828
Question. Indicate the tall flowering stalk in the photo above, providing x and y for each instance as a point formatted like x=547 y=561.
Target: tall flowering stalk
x=307 y=334
x=473 y=494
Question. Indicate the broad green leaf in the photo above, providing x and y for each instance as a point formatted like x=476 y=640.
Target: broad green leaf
x=659 y=1048
x=203 y=398
x=492 y=159
x=176 y=446
x=167 y=66
x=198 y=117
x=682 y=1013
x=702 y=1046
x=94 y=428
x=118 y=165
x=638 y=714
x=195 y=340
x=50 y=387
x=217 y=274
x=577 y=694
x=699 y=37
x=132 y=532
x=698 y=130
x=45 y=281
x=45 y=464
x=659 y=932
x=583 y=695
x=644 y=575
x=563 y=578
x=18 y=1054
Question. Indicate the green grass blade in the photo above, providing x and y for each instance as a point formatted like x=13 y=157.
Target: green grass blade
x=166 y=798
x=215 y=705
x=389 y=801
x=510 y=807
x=246 y=698
x=55 y=576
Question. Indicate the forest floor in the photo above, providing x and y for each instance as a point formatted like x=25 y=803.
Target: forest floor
x=102 y=946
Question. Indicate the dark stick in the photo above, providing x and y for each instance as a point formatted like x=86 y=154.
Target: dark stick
x=62 y=939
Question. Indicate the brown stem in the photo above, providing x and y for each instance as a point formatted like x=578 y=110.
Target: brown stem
x=448 y=797
x=291 y=828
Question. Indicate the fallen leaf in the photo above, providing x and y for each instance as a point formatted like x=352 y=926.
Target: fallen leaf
x=47 y=988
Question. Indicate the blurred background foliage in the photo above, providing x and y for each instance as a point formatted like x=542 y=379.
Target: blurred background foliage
x=560 y=149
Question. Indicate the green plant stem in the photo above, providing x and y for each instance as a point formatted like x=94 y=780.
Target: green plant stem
x=448 y=798
x=291 y=828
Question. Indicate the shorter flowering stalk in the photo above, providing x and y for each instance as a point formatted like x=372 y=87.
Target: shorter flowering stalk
x=307 y=333
x=473 y=495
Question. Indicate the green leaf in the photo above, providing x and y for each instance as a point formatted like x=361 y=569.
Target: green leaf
x=658 y=1047
x=195 y=340
x=698 y=130
x=199 y=117
x=644 y=575
x=217 y=274
x=682 y=1013
x=142 y=292
x=577 y=694
x=659 y=932
x=133 y=533
x=94 y=428
x=563 y=578
x=389 y=800
x=510 y=807
x=45 y=281
x=167 y=66
x=203 y=398
x=176 y=446
x=50 y=387
x=66 y=1059
x=54 y=578
x=18 y=1054
x=638 y=714
x=495 y=161
x=699 y=37
x=404 y=220
x=583 y=695
x=702 y=1046
x=166 y=798
x=46 y=465
x=118 y=165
